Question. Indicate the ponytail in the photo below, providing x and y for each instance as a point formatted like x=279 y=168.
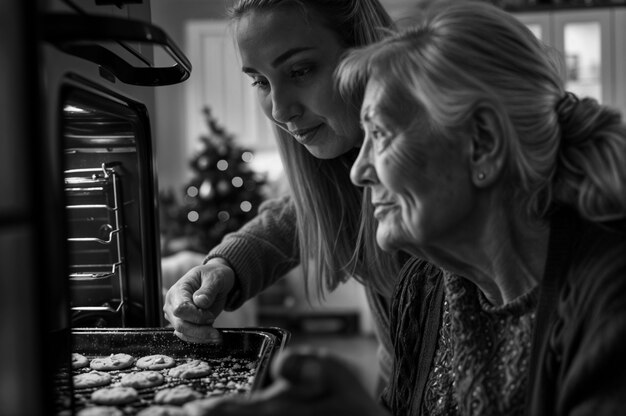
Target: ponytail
x=591 y=173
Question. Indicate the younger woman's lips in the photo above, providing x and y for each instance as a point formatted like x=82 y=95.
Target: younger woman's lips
x=305 y=136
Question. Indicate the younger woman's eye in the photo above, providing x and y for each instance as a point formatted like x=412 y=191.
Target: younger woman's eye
x=258 y=81
x=259 y=84
x=300 y=72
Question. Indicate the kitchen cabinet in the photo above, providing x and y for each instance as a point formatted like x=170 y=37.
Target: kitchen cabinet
x=591 y=45
x=217 y=82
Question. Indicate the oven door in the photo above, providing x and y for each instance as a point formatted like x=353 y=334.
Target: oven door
x=75 y=123
x=97 y=74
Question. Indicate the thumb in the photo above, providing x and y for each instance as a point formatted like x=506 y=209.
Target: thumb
x=205 y=296
x=216 y=281
x=203 y=299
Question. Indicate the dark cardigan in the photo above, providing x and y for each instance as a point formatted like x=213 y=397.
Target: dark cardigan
x=578 y=356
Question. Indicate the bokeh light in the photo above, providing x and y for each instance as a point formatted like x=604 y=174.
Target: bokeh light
x=222 y=165
x=223 y=216
x=237 y=182
x=245 y=206
x=192 y=191
x=247 y=157
x=193 y=216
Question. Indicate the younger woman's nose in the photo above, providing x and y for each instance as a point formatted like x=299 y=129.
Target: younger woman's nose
x=285 y=106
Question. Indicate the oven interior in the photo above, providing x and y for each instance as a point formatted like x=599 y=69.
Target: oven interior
x=110 y=205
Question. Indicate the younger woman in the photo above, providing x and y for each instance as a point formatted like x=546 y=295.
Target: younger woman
x=289 y=50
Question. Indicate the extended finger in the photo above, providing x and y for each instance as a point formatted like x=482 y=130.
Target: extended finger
x=195 y=333
x=208 y=335
x=189 y=312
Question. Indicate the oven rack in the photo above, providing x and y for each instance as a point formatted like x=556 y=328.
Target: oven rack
x=100 y=184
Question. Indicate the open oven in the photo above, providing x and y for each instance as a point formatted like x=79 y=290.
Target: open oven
x=112 y=238
x=99 y=83
x=79 y=235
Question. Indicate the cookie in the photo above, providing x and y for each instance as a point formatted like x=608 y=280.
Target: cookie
x=155 y=362
x=100 y=411
x=112 y=362
x=79 y=361
x=177 y=395
x=191 y=369
x=162 y=411
x=115 y=395
x=91 y=379
x=142 y=379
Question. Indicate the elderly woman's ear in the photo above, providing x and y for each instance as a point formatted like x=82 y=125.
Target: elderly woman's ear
x=488 y=146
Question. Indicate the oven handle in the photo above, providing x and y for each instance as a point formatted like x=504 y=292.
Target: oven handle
x=77 y=34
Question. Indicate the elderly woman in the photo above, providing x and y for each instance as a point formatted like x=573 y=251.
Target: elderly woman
x=478 y=160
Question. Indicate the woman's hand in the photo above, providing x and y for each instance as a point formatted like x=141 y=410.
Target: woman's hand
x=306 y=383
x=193 y=303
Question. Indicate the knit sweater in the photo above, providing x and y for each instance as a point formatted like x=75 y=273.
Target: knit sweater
x=266 y=248
x=575 y=363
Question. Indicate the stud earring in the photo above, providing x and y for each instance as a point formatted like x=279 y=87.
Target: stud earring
x=481 y=176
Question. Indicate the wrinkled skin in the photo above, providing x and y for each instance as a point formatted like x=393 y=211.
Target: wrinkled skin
x=306 y=383
x=419 y=179
x=193 y=303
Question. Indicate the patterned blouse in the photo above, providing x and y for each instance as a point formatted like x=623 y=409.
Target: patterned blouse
x=473 y=362
x=481 y=359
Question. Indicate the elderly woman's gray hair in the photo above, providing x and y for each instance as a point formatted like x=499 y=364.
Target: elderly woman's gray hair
x=559 y=149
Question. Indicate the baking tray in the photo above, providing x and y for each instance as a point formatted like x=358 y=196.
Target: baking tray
x=250 y=350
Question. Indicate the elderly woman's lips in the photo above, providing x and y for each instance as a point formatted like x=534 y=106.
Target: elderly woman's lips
x=381 y=209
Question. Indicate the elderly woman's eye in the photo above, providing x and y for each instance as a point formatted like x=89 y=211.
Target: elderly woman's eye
x=380 y=138
x=377 y=134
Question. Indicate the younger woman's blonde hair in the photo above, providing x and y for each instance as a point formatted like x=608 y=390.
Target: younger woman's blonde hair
x=336 y=229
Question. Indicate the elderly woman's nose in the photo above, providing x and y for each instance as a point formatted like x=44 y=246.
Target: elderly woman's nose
x=285 y=105
x=362 y=172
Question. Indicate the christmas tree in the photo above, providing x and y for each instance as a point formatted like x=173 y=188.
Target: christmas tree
x=222 y=195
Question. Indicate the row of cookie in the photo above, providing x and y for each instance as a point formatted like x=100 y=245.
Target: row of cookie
x=194 y=408
x=121 y=361
x=143 y=379
x=157 y=410
x=167 y=401
x=120 y=395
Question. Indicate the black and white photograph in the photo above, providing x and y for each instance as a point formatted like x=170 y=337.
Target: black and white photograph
x=313 y=207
